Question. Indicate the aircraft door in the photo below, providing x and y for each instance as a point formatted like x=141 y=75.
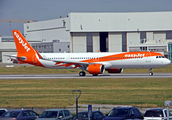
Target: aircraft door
x=68 y=58
x=95 y=59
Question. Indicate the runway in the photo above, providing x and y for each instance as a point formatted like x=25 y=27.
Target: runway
x=76 y=76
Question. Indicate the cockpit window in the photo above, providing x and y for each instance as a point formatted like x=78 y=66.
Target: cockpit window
x=160 y=57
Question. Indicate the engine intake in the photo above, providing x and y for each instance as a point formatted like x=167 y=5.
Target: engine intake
x=96 y=69
x=115 y=70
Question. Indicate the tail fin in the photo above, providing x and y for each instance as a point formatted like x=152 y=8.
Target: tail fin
x=22 y=46
x=25 y=51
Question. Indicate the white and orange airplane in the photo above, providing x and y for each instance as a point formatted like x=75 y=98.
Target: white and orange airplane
x=94 y=63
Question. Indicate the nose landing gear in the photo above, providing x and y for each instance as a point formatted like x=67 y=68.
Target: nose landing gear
x=150 y=72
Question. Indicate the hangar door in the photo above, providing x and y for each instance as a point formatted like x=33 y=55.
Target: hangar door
x=158 y=36
x=103 y=41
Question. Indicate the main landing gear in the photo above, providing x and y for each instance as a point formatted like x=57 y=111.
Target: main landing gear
x=95 y=74
x=150 y=72
x=82 y=73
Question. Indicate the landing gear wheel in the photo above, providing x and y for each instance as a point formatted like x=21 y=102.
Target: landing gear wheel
x=95 y=74
x=82 y=73
x=150 y=73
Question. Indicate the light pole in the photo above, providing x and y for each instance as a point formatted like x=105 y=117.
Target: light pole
x=76 y=97
x=167 y=103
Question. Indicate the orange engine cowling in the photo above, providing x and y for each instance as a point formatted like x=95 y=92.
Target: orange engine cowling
x=115 y=70
x=96 y=69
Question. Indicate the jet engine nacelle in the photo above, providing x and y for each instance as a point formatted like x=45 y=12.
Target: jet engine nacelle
x=96 y=69
x=115 y=70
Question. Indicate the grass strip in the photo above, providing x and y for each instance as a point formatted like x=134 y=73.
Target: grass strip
x=53 y=93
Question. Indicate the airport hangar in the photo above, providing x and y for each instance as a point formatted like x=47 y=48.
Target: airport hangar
x=107 y=32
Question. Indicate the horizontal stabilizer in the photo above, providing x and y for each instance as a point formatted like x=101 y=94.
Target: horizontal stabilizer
x=15 y=57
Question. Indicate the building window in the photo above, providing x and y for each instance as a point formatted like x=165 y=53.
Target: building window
x=64 y=23
x=168 y=34
x=50 y=46
x=143 y=48
x=157 y=48
x=89 y=38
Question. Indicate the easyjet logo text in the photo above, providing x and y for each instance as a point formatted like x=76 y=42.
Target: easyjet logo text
x=134 y=55
x=24 y=44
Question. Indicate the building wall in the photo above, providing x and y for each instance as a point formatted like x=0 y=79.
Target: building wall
x=6 y=59
x=7 y=47
x=7 y=44
x=47 y=31
x=46 y=47
x=52 y=47
x=61 y=47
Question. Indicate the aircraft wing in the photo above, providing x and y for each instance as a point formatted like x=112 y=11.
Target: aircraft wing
x=14 y=57
x=66 y=63
x=69 y=63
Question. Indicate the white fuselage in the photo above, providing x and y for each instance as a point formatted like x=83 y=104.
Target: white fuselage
x=132 y=62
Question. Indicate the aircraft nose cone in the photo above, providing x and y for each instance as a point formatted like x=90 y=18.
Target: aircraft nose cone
x=167 y=62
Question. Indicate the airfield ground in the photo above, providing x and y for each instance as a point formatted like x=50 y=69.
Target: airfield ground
x=57 y=93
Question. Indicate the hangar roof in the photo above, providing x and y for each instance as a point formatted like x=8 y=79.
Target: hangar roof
x=131 y=21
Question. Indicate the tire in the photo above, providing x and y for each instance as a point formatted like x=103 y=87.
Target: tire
x=82 y=73
x=150 y=73
x=95 y=74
